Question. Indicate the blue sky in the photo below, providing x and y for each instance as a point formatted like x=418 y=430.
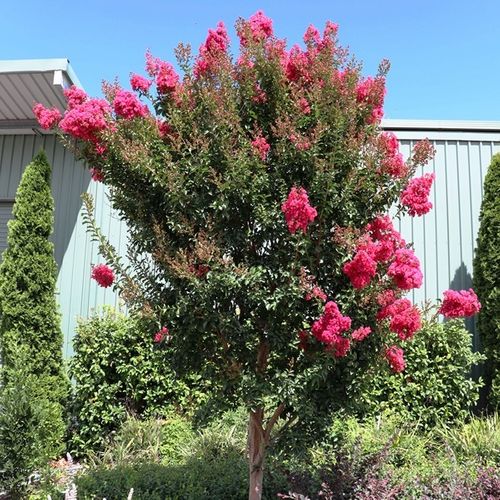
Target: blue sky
x=444 y=54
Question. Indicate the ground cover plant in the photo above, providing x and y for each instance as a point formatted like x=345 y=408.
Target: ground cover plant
x=256 y=191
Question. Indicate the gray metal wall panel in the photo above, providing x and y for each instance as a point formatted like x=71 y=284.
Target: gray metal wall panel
x=444 y=239
x=78 y=295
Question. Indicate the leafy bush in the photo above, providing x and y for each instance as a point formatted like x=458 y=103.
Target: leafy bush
x=380 y=458
x=118 y=371
x=487 y=278
x=28 y=312
x=31 y=424
x=436 y=387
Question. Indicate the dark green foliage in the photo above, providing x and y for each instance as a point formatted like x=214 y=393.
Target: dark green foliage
x=436 y=385
x=28 y=274
x=383 y=456
x=31 y=425
x=487 y=278
x=118 y=370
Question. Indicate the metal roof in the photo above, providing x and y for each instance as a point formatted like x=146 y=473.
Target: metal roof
x=25 y=82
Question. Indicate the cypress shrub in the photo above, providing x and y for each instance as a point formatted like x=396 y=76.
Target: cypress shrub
x=487 y=278
x=29 y=319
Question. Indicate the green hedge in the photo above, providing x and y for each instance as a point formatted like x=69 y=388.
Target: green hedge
x=119 y=371
x=487 y=278
x=436 y=386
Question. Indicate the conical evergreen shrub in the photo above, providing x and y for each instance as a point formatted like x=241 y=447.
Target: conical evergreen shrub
x=487 y=278
x=28 y=273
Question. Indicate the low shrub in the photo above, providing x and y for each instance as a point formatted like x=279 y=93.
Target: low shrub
x=436 y=387
x=31 y=425
x=119 y=371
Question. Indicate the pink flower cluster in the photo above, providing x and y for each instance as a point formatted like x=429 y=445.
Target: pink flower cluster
x=96 y=174
x=316 y=292
x=298 y=212
x=103 y=274
x=361 y=333
x=361 y=269
x=371 y=92
x=304 y=105
x=87 y=119
x=404 y=318
x=381 y=240
x=75 y=96
x=392 y=163
x=395 y=358
x=423 y=152
x=165 y=76
x=47 y=117
x=216 y=44
x=259 y=26
x=261 y=147
x=162 y=335
x=405 y=270
x=139 y=83
x=416 y=195
x=459 y=304
x=329 y=327
x=126 y=105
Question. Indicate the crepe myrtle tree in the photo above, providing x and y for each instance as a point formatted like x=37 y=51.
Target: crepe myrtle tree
x=256 y=190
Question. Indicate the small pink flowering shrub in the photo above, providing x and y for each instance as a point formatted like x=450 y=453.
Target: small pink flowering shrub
x=256 y=192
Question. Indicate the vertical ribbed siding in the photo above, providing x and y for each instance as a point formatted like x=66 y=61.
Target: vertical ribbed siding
x=74 y=252
x=444 y=239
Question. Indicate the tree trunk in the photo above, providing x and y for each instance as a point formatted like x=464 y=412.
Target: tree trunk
x=257 y=444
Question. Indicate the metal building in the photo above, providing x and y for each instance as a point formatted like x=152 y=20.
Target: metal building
x=444 y=239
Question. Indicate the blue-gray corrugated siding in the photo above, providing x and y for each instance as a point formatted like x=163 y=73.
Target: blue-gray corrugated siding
x=74 y=252
x=444 y=239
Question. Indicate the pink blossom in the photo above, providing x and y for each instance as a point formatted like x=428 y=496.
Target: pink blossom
x=139 y=83
x=459 y=304
x=385 y=299
x=164 y=128
x=216 y=43
x=103 y=274
x=47 y=117
x=166 y=78
x=405 y=269
x=370 y=92
x=340 y=346
x=217 y=40
x=96 y=174
x=126 y=105
x=301 y=143
x=316 y=292
x=405 y=319
x=298 y=212
x=330 y=325
x=395 y=358
x=297 y=65
x=260 y=26
x=164 y=73
x=161 y=335
x=415 y=196
x=423 y=152
x=361 y=333
x=361 y=269
x=392 y=162
x=304 y=105
x=261 y=146
x=87 y=119
x=312 y=36
x=75 y=96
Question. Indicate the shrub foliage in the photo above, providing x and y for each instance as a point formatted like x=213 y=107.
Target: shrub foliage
x=118 y=371
x=487 y=278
